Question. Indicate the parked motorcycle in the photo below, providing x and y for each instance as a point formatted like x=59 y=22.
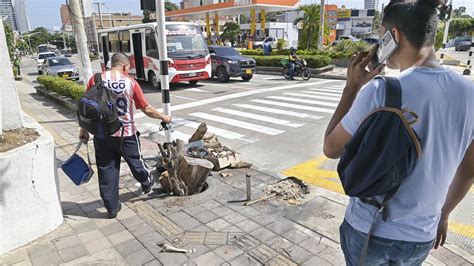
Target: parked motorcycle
x=301 y=69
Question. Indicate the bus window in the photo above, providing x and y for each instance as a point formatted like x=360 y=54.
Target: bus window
x=125 y=41
x=151 y=45
x=114 y=44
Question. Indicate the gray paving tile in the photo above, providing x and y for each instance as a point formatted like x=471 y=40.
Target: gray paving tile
x=171 y=258
x=228 y=252
x=23 y=263
x=209 y=259
x=120 y=237
x=246 y=242
x=184 y=220
x=234 y=218
x=279 y=243
x=67 y=242
x=245 y=260
x=313 y=245
x=51 y=258
x=248 y=225
x=222 y=211
x=131 y=221
x=198 y=250
x=209 y=205
x=205 y=217
x=263 y=234
x=315 y=260
x=90 y=235
x=281 y=260
x=295 y=236
x=218 y=238
x=153 y=263
x=263 y=253
x=263 y=219
x=139 y=257
x=218 y=224
x=281 y=226
x=140 y=229
x=128 y=247
x=150 y=238
x=334 y=256
x=195 y=210
x=41 y=249
x=112 y=228
x=298 y=254
x=73 y=253
x=97 y=245
x=194 y=237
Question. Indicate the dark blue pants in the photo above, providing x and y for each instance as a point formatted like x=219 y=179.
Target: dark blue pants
x=381 y=251
x=108 y=156
x=292 y=70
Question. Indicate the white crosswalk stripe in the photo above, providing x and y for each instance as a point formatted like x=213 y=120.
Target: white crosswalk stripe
x=302 y=101
x=218 y=131
x=150 y=128
x=313 y=96
x=323 y=93
x=295 y=106
x=326 y=90
x=277 y=111
x=237 y=123
x=259 y=117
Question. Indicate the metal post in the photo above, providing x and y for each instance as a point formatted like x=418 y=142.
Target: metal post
x=100 y=15
x=445 y=36
x=131 y=22
x=81 y=40
x=248 y=187
x=467 y=71
x=163 y=54
x=321 y=25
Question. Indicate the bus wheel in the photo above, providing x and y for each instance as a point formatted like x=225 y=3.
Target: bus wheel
x=193 y=82
x=153 y=80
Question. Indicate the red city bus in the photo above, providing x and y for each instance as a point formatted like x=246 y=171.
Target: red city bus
x=189 y=59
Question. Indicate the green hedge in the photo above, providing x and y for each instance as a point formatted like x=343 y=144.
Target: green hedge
x=315 y=61
x=61 y=86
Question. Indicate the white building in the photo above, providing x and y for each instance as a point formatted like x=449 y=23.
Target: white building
x=371 y=4
x=87 y=9
x=22 y=22
x=7 y=14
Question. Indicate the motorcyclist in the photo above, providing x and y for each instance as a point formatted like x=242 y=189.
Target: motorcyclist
x=294 y=59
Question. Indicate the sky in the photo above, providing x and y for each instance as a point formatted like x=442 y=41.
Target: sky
x=45 y=13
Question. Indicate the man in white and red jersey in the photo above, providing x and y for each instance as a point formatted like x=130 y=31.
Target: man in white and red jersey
x=109 y=150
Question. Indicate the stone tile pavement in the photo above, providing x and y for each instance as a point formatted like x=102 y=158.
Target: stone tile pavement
x=214 y=231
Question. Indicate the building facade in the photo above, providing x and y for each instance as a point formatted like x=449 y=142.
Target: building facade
x=14 y=13
x=371 y=4
x=109 y=20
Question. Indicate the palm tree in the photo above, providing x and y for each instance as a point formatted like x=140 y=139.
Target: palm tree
x=310 y=21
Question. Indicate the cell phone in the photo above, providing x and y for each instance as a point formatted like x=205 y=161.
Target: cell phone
x=386 y=46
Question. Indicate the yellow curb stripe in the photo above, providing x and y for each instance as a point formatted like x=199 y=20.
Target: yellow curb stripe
x=465 y=230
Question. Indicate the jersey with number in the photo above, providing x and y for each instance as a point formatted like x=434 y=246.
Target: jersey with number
x=125 y=92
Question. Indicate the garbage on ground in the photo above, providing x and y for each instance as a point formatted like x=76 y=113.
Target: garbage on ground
x=225 y=174
x=172 y=249
x=290 y=189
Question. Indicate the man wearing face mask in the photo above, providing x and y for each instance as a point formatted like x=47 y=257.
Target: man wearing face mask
x=125 y=142
x=444 y=101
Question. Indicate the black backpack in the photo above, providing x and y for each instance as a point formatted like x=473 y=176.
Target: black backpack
x=97 y=112
x=382 y=153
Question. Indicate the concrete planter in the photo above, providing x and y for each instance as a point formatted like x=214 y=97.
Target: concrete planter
x=340 y=62
x=58 y=98
x=29 y=191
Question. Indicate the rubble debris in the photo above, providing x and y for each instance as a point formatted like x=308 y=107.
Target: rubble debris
x=290 y=189
x=240 y=165
x=199 y=134
x=267 y=197
x=327 y=215
x=225 y=174
x=172 y=249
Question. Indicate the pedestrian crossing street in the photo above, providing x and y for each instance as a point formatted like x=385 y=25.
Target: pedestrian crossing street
x=255 y=119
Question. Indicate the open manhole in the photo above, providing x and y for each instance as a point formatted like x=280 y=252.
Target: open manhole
x=204 y=187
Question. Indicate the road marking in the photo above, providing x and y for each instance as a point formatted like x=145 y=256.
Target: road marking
x=258 y=117
x=237 y=95
x=323 y=93
x=303 y=101
x=313 y=96
x=182 y=97
x=218 y=131
x=309 y=172
x=327 y=90
x=465 y=230
x=278 y=111
x=155 y=129
x=296 y=106
x=237 y=123
x=195 y=90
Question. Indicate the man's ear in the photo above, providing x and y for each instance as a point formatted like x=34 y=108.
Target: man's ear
x=396 y=34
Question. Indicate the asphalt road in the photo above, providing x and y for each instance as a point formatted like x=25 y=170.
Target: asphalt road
x=277 y=125
x=459 y=55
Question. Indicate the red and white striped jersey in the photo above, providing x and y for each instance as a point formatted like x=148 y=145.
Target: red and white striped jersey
x=125 y=91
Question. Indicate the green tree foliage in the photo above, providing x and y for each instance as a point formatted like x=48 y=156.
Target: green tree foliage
x=231 y=31
x=377 y=22
x=310 y=21
x=170 y=6
x=460 y=12
x=146 y=16
x=461 y=27
x=10 y=39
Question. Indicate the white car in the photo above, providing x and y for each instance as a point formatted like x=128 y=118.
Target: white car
x=41 y=58
x=271 y=40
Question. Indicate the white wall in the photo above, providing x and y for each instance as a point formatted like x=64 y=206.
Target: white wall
x=29 y=191
x=280 y=30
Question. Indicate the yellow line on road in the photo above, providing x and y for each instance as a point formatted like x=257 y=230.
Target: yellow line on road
x=465 y=230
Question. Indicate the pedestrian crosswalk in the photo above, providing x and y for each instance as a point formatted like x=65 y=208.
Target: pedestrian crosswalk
x=255 y=119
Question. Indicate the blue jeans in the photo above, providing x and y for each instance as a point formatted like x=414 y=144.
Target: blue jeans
x=292 y=70
x=381 y=251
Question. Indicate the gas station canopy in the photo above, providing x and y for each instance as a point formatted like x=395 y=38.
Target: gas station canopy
x=235 y=7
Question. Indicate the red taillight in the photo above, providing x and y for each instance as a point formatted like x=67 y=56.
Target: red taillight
x=171 y=64
x=208 y=61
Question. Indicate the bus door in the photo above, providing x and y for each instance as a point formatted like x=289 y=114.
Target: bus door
x=105 y=50
x=138 y=54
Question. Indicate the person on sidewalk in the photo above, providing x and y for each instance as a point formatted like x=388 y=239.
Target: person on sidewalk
x=110 y=150
x=294 y=59
x=444 y=101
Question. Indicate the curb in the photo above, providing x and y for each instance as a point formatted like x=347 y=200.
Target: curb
x=57 y=98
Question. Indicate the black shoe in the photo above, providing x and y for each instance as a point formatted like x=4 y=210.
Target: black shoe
x=147 y=189
x=113 y=214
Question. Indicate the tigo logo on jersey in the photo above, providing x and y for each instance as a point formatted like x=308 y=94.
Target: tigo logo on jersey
x=116 y=86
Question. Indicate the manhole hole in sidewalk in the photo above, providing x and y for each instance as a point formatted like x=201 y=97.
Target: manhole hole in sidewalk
x=204 y=187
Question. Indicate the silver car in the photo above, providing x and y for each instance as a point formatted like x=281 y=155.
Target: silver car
x=60 y=66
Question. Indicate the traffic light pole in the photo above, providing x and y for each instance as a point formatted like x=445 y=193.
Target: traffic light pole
x=163 y=54
x=446 y=31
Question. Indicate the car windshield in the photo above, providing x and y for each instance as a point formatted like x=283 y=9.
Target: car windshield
x=226 y=51
x=185 y=41
x=43 y=56
x=59 y=62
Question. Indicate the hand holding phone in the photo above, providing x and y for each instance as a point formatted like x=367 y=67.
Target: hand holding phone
x=385 y=48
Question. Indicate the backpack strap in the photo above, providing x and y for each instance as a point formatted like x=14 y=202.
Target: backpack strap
x=393 y=92
x=97 y=78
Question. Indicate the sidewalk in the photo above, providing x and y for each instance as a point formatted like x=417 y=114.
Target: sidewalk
x=216 y=232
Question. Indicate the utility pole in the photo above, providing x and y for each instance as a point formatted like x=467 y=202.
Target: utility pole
x=163 y=54
x=131 y=22
x=446 y=31
x=81 y=40
x=100 y=14
x=321 y=26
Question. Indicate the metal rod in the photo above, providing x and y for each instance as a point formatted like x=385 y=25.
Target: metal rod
x=249 y=187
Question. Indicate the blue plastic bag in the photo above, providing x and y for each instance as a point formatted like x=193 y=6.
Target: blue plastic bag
x=77 y=169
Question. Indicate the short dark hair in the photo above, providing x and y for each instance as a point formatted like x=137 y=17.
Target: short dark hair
x=416 y=19
x=119 y=59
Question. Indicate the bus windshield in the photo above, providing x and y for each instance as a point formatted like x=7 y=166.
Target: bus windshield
x=185 y=41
